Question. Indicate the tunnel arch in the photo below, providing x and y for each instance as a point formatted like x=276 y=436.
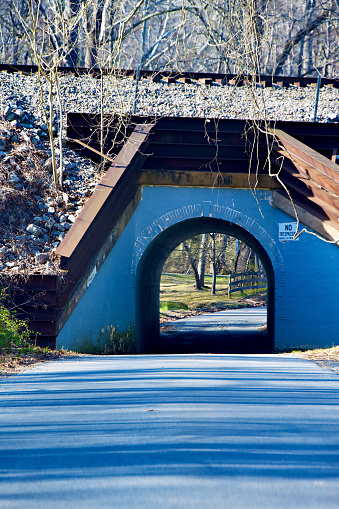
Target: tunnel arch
x=150 y=265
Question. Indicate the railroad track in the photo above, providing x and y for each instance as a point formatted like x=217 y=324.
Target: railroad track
x=183 y=77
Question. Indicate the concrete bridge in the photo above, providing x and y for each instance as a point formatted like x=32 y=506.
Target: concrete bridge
x=181 y=177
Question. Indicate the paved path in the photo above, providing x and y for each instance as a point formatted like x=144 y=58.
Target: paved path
x=222 y=331
x=231 y=320
x=186 y=431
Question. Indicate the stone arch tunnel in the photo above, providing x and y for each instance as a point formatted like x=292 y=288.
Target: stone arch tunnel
x=165 y=183
x=150 y=269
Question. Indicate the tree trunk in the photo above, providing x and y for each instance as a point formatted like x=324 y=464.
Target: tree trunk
x=71 y=9
x=214 y=278
x=202 y=260
x=243 y=256
x=193 y=265
x=213 y=263
x=93 y=15
x=301 y=34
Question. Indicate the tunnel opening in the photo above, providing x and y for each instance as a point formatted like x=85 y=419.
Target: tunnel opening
x=216 y=334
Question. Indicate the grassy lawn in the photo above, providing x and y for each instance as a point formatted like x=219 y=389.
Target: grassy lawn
x=178 y=292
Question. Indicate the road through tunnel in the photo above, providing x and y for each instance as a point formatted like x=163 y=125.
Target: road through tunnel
x=218 y=338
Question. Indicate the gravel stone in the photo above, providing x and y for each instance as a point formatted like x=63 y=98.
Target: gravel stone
x=34 y=230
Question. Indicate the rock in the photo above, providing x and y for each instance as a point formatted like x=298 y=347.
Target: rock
x=39 y=242
x=14 y=123
x=68 y=165
x=3 y=251
x=51 y=210
x=13 y=178
x=10 y=160
x=48 y=164
x=19 y=112
x=333 y=117
x=35 y=140
x=44 y=238
x=3 y=144
x=41 y=257
x=10 y=117
x=25 y=137
x=34 y=230
x=7 y=110
x=65 y=198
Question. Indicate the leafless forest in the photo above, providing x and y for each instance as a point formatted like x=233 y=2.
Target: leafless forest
x=286 y=37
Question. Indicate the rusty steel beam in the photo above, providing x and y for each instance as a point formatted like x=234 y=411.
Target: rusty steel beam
x=36 y=300
x=310 y=196
x=306 y=159
x=186 y=178
x=311 y=178
x=321 y=226
x=35 y=282
x=307 y=186
x=120 y=178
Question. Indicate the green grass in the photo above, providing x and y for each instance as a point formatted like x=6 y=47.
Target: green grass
x=172 y=306
x=179 y=290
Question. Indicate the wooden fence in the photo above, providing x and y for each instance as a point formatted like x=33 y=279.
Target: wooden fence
x=250 y=280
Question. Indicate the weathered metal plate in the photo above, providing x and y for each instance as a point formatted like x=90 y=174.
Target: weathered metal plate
x=105 y=195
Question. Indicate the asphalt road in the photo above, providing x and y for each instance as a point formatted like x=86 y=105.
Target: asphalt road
x=229 y=331
x=185 y=431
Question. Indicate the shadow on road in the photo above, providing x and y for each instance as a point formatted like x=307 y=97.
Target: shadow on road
x=230 y=331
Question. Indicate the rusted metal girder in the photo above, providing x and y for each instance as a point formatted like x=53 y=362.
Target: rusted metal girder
x=210 y=179
x=312 y=178
x=105 y=206
x=188 y=138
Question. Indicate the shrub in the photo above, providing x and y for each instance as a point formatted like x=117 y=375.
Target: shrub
x=14 y=333
x=119 y=343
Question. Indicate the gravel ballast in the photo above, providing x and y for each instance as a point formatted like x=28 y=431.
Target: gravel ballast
x=83 y=94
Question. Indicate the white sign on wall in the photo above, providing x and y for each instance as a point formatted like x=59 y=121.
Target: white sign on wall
x=287 y=231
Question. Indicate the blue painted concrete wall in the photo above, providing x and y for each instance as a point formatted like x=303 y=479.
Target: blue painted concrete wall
x=307 y=271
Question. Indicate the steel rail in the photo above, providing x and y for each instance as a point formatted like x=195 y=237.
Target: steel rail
x=173 y=76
